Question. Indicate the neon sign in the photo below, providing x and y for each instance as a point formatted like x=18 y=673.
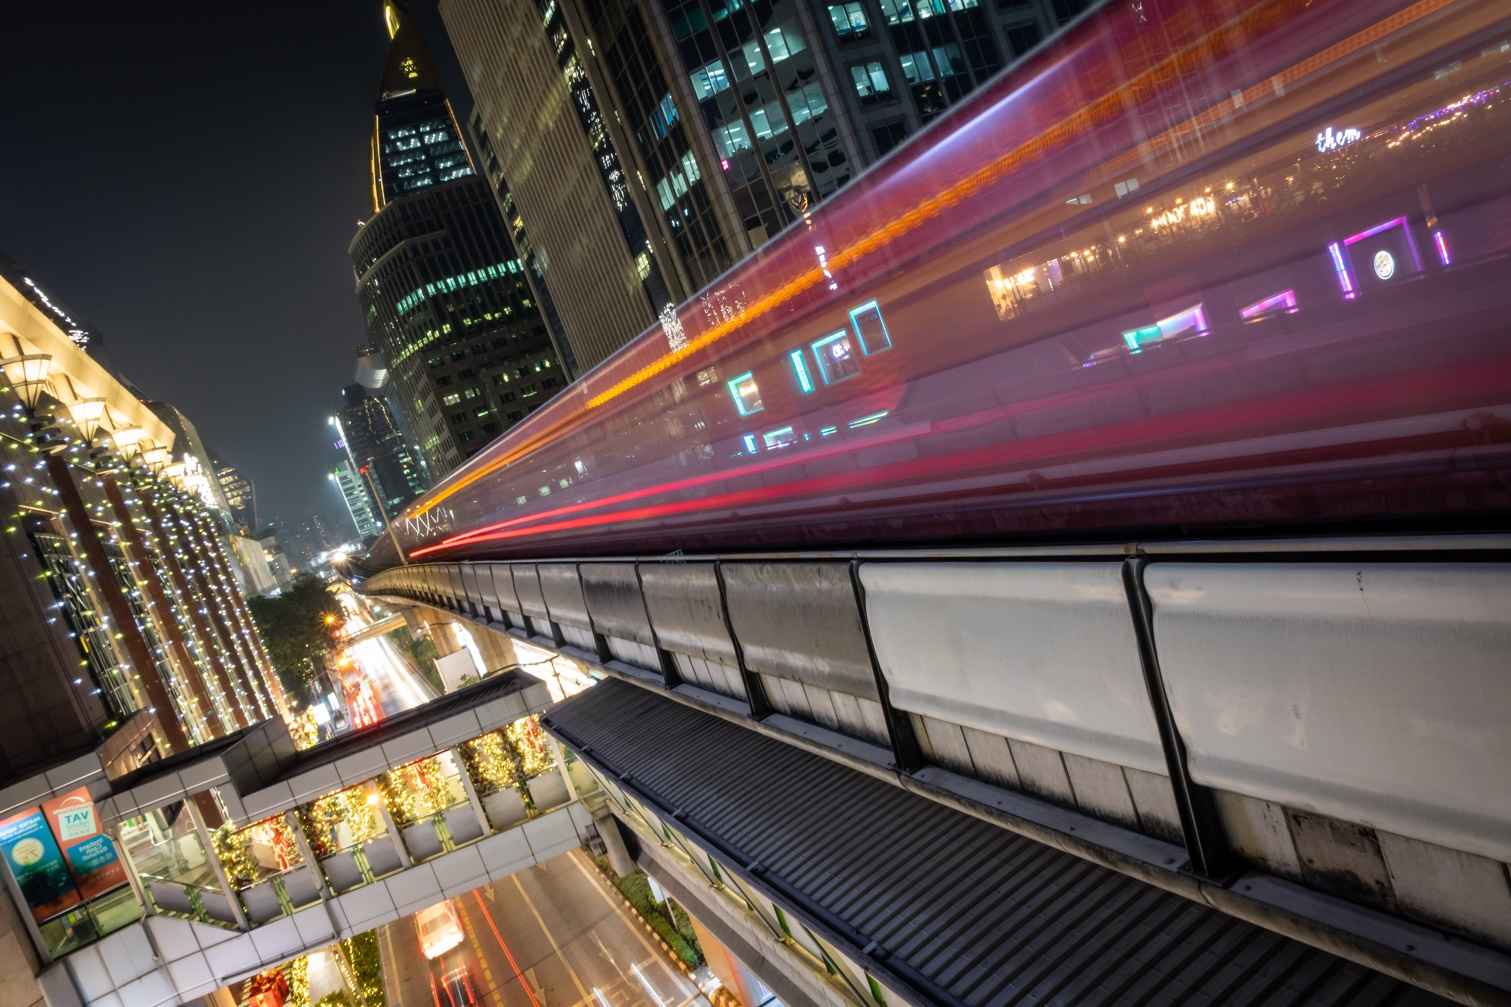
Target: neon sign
x=1330 y=139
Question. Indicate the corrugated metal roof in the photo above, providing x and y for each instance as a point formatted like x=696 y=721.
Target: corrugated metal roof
x=961 y=910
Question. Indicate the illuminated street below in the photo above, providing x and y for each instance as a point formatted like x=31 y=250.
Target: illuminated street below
x=550 y=936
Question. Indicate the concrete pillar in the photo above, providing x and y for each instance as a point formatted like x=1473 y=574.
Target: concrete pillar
x=471 y=790
x=733 y=973
x=620 y=861
x=443 y=634
x=496 y=648
x=214 y=860
x=391 y=826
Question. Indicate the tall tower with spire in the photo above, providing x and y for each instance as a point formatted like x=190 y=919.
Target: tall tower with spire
x=445 y=298
x=416 y=143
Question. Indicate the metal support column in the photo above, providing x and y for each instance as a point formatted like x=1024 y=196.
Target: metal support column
x=561 y=765
x=307 y=852
x=392 y=827
x=471 y=790
x=214 y=859
x=906 y=751
x=1206 y=843
x=132 y=876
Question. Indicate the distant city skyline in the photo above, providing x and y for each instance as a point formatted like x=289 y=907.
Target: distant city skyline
x=221 y=285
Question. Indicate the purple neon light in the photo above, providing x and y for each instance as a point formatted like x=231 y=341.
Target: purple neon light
x=1285 y=301
x=1191 y=318
x=1442 y=243
x=1354 y=239
x=1344 y=280
x=1401 y=222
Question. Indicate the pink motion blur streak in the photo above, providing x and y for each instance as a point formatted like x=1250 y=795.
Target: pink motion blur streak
x=1217 y=267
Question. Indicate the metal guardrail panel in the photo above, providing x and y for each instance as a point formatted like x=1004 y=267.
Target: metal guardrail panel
x=612 y=593
x=683 y=599
x=503 y=588
x=563 y=594
x=1375 y=693
x=1039 y=652
x=801 y=621
x=527 y=588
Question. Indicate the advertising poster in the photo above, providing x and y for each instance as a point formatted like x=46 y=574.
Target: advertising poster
x=89 y=853
x=37 y=864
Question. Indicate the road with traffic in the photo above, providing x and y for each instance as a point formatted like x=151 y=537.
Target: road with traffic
x=550 y=936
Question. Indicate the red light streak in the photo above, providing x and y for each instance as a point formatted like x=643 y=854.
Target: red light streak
x=816 y=454
x=507 y=954
x=1389 y=396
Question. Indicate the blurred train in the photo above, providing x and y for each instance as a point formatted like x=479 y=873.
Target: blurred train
x=1191 y=267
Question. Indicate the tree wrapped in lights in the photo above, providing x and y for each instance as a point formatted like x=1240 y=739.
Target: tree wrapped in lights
x=322 y=818
x=492 y=763
x=304 y=731
x=361 y=954
x=232 y=849
x=235 y=850
x=417 y=791
x=529 y=740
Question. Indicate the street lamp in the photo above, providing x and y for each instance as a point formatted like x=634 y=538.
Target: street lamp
x=378 y=499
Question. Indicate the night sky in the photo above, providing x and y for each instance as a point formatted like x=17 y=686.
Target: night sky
x=185 y=178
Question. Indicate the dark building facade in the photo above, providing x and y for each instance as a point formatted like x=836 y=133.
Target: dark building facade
x=443 y=291
x=546 y=151
x=729 y=121
x=373 y=441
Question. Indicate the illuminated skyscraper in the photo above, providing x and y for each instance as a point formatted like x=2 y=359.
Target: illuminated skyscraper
x=443 y=292
x=354 y=493
x=713 y=125
x=372 y=439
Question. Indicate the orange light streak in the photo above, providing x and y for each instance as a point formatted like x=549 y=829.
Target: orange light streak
x=1219 y=43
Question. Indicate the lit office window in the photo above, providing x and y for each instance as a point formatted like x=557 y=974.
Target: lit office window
x=870 y=80
x=780 y=438
x=849 y=20
x=784 y=41
x=709 y=79
x=800 y=370
x=916 y=68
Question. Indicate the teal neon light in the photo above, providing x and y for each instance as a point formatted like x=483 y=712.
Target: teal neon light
x=746 y=394
x=881 y=339
x=800 y=370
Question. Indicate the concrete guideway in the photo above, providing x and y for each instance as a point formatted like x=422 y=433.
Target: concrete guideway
x=1234 y=722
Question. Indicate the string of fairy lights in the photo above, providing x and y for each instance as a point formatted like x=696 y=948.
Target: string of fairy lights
x=163 y=554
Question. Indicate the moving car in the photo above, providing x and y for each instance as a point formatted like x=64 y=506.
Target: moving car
x=458 y=986
x=440 y=929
